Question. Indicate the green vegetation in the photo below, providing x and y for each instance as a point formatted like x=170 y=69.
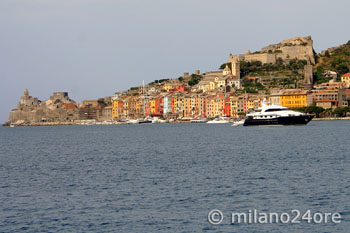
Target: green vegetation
x=337 y=112
x=311 y=110
x=327 y=53
x=337 y=60
x=224 y=65
x=250 y=86
x=249 y=90
x=195 y=78
x=181 y=79
x=341 y=112
x=285 y=82
x=320 y=78
x=161 y=80
x=256 y=67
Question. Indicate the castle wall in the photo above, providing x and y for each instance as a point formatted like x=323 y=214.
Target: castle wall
x=298 y=51
x=264 y=58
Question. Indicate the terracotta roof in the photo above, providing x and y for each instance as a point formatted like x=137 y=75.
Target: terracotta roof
x=69 y=106
x=346 y=75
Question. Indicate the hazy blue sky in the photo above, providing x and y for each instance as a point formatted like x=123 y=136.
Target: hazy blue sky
x=93 y=48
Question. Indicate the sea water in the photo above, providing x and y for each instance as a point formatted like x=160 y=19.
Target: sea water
x=168 y=177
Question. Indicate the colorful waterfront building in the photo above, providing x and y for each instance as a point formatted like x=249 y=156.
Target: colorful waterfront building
x=330 y=98
x=346 y=79
x=152 y=106
x=115 y=109
x=166 y=105
x=295 y=98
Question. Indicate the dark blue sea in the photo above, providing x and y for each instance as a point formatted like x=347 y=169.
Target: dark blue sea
x=168 y=177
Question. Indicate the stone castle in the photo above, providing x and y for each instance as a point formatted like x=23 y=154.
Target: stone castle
x=58 y=108
x=300 y=48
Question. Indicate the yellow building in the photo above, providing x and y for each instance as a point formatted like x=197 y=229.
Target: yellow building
x=219 y=106
x=139 y=105
x=295 y=98
x=234 y=106
x=168 y=87
x=125 y=107
x=115 y=109
x=253 y=103
x=346 y=79
x=187 y=106
x=152 y=105
x=210 y=106
x=207 y=85
x=237 y=105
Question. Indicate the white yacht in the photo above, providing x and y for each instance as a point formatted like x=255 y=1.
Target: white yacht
x=276 y=115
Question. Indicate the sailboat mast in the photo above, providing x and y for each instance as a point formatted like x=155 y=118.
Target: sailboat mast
x=144 y=97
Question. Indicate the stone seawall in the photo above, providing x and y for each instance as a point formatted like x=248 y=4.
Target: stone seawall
x=332 y=119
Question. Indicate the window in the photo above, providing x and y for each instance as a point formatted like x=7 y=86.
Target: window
x=275 y=109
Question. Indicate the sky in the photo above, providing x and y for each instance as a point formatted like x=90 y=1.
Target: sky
x=94 y=48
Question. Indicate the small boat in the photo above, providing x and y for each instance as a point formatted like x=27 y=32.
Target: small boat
x=237 y=123
x=133 y=121
x=12 y=125
x=276 y=115
x=157 y=120
x=198 y=120
x=220 y=120
x=147 y=120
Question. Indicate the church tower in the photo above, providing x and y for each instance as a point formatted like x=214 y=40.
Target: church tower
x=236 y=68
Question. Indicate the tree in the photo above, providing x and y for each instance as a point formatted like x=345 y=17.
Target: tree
x=312 y=110
x=195 y=78
x=181 y=79
x=229 y=64
x=338 y=111
x=342 y=68
x=327 y=53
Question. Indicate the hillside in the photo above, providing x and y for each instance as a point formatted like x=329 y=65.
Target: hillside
x=335 y=59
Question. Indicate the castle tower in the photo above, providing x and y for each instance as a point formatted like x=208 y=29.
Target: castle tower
x=308 y=77
x=26 y=92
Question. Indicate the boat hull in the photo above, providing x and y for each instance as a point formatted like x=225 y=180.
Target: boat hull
x=288 y=120
x=145 y=122
x=218 y=122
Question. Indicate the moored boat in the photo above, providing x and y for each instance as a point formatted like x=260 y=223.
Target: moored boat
x=276 y=115
x=198 y=120
x=220 y=120
x=237 y=123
